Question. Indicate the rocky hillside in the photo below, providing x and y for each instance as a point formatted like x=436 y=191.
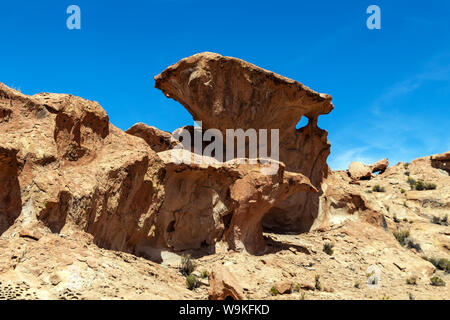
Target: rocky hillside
x=88 y=211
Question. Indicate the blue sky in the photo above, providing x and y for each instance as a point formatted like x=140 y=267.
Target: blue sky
x=390 y=87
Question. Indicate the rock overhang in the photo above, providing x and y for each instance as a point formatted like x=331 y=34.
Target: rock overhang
x=226 y=92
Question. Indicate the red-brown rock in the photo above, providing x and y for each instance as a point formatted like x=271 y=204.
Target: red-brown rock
x=223 y=285
x=68 y=169
x=441 y=161
x=157 y=139
x=358 y=170
x=283 y=287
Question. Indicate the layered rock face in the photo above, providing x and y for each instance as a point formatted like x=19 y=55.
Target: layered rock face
x=66 y=169
x=228 y=93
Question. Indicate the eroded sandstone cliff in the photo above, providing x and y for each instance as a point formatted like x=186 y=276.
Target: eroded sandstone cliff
x=65 y=168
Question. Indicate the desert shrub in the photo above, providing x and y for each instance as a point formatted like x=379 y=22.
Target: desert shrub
x=421 y=185
x=378 y=188
x=441 y=264
x=205 y=274
x=328 y=248
x=413 y=245
x=274 y=291
x=430 y=186
x=406 y=165
x=411 y=280
x=187 y=265
x=296 y=287
x=438 y=282
x=443 y=221
x=411 y=182
x=318 y=284
x=191 y=282
x=401 y=236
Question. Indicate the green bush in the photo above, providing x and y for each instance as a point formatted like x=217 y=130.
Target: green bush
x=396 y=220
x=318 y=284
x=328 y=248
x=438 y=282
x=421 y=185
x=187 y=265
x=191 y=282
x=274 y=291
x=205 y=274
x=441 y=264
x=411 y=182
x=401 y=236
x=413 y=245
x=377 y=188
x=443 y=221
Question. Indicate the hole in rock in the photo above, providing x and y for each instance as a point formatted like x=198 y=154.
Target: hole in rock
x=302 y=123
x=171 y=227
x=227 y=220
x=10 y=196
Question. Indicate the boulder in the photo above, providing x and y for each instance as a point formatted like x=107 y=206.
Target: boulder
x=223 y=285
x=358 y=170
x=283 y=287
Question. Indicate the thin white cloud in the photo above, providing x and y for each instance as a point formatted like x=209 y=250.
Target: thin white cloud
x=389 y=131
x=342 y=160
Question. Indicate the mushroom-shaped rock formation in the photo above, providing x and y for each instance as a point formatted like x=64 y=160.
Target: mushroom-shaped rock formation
x=228 y=93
